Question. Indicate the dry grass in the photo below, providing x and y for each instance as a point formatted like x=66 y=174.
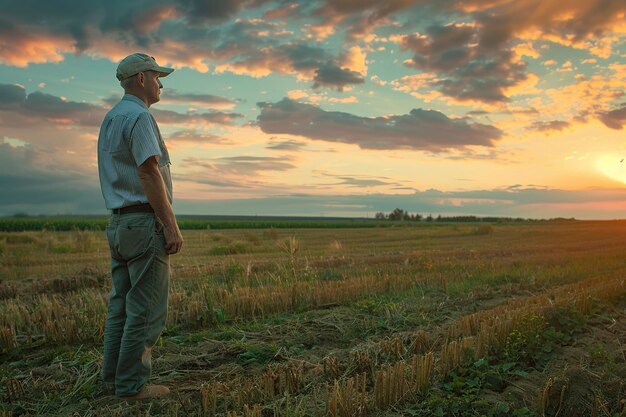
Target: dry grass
x=348 y=397
x=49 y=297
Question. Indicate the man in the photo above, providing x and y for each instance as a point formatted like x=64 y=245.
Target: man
x=133 y=164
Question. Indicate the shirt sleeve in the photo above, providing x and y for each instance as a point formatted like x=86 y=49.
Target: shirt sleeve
x=144 y=141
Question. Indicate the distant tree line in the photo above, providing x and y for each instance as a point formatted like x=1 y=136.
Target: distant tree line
x=399 y=214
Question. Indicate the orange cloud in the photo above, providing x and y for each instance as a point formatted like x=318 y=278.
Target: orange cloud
x=525 y=49
x=344 y=100
x=573 y=20
x=261 y=65
x=528 y=86
x=414 y=82
x=21 y=48
x=355 y=60
x=319 y=32
x=281 y=12
x=585 y=97
x=592 y=25
x=318 y=98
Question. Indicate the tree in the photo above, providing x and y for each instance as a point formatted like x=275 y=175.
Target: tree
x=397 y=214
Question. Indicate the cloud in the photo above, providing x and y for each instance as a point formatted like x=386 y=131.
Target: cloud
x=38 y=188
x=221 y=183
x=281 y=12
x=472 y=155
x=177 y=37
x=599 y=94
x=52 y=108
x=57 y=126
x=344 y=100
x=57 y=109
x=480 y=59
x=549 y=126
x=234 y=174
x=305 y=61
x=355 y=60
x=317 y=98
x=286 y=145
x=522 y=111
x=45 y=32
x=419 y=130
x=171 y=95
x=360 y=181
x=526 y=202
x=614 y=119
x=62 y=134
x=193 y=136
x=330 y=75
x=572 y=21
x=172 y=117
x=199 y=11
x=364 y=15
x=566 y=67
x=30 y=44
x=326 y=69
x=465 y=71
x=12 y=95
x=241 y=165
x=112 y=100
x=376 y=80
x=252 y=47
x=196 y=33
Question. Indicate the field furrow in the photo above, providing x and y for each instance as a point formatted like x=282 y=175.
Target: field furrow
x=432 y=320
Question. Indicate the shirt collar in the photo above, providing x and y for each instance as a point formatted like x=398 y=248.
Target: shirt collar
x=136 y=99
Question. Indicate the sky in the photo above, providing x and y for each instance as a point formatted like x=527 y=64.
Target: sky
x=346 y=108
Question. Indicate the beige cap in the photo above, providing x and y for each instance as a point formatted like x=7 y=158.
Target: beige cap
x=138 y=62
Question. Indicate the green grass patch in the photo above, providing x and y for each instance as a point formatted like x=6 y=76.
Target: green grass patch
x=257 y=353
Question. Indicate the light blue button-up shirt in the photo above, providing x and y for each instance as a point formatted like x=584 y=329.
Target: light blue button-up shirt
x=128 y=137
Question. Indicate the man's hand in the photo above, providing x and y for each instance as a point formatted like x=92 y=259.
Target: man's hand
x=173 y=240
x=153 y=186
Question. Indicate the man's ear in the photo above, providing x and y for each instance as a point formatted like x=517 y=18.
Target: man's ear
x=141 y=78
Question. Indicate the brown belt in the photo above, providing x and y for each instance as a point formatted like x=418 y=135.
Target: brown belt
x=139 y=208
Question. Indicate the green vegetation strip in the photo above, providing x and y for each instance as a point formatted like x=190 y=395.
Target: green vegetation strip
x=22 y=224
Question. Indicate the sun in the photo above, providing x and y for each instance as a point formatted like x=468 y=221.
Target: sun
x=613 y=166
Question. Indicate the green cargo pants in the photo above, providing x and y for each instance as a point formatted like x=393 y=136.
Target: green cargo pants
x=137 y=302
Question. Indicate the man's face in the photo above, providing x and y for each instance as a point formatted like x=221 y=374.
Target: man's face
x=152 y=86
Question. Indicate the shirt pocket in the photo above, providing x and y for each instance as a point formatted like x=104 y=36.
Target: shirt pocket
x=113 y=141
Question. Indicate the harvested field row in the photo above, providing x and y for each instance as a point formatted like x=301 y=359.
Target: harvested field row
x=327 y=322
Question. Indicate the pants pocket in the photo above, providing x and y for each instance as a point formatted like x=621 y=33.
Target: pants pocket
x=110 y=231
x=134 y=238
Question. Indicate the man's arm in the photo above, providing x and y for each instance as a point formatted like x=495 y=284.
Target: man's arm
x=154 y=188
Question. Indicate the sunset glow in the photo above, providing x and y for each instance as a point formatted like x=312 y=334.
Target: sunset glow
x=329 y=107
x=612 y=165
